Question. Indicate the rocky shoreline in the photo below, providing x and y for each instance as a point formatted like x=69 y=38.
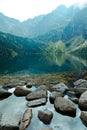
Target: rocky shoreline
x=61 y=96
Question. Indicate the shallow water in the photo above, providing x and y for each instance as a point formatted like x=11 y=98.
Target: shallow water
x=17 y=105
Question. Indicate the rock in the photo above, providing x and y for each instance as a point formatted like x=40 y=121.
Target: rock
x=9 y=122
x=83 y=101
x=65 y=106
x=42 y=87
x=37 y=102
x=4 y=94
x=75 y=100
x=37 y=94
x=81 y=83
x=71 y=93
x=20 y=91
x=29 y=84
x=83 y=117
x=61 y=87
x=26 y=119
x=45 y=116
x=46 y=129
x=14 y=85
x=53 y=96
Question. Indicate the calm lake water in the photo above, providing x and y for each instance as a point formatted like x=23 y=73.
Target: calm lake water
x=37 y=63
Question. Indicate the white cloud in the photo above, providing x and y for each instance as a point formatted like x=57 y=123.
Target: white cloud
x=23 y=9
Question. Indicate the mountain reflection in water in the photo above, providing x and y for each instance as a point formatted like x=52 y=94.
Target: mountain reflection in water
x=38 y=63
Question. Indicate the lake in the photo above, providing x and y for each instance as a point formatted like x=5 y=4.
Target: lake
x=42 y=64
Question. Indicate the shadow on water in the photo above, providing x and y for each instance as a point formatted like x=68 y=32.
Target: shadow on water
x=37 y=63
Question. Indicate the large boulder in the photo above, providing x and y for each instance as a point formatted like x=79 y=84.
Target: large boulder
x=45 y=116
x=37 y=94
x=61 y=87
x=53 y=96
x=26 y=119
x=83 y=117
x=83 y=101
x=9 y=122
x=20 y=91
x=4 y=94
x=37 y=102
x=65 y=106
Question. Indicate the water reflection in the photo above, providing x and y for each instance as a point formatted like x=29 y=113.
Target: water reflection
x=47 y=63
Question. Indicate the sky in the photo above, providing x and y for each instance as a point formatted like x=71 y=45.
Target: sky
x=24 y=9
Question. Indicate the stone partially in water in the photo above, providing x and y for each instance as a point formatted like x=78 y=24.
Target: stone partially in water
x=26 y=119
x=4 y=94
x=37 y=94
x=19 y=91
x=37 y=102
x=29 y=84
x=9 y=122
x=73 y=99
x=83 y=117
x=45 y=116
x=65 y=106
x=81 y=83
x=71 y=93
x=53 y=96
x=61 y=87
x=83 y=101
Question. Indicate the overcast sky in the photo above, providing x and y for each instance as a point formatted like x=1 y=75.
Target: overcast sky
x=24 y=9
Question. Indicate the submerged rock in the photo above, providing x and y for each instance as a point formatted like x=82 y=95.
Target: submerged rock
x=26 y=119
x=65 y=106
x=61 y=87
x=37 y=102
x=83 y=117
x=4 y=94
x=20 y=91
x=9 y=122
x=45 y=116
x=83 y=101
x=37 y=94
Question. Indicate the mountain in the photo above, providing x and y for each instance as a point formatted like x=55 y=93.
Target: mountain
x=12 y=46
x=12 y=26
x=56 y=21
x=67 y=25
x=77 y=26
